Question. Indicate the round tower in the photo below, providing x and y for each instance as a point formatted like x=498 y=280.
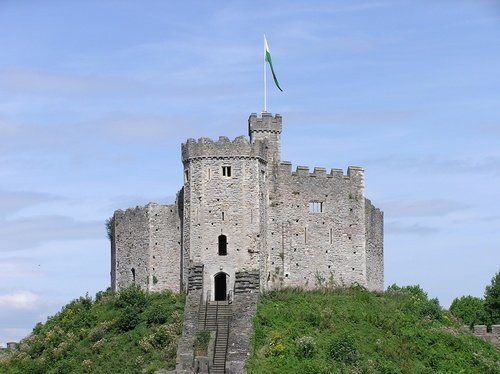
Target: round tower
x=224 y=209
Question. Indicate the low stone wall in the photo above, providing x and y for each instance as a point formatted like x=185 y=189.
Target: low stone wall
x=481 y=331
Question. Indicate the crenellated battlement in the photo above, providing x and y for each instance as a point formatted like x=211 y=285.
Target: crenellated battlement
x=285 y=167
x=240 y=147
x=481 y=331
x=266 y=123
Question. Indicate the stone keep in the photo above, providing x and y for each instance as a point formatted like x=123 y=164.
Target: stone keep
x=244 y=211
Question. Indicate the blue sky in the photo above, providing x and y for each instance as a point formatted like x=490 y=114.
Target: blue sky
x=96 y=97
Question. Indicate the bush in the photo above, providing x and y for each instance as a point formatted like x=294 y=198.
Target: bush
x=201 y=342
x=492 y=299
x=305 y=346
x=128 y=319
x=132 y=296
x=343 y=349
x=156 y=315
x=470 y=310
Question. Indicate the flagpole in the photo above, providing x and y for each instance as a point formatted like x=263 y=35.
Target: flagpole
x=265 y=78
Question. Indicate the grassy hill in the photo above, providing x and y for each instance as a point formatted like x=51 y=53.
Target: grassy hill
x=356 y=331
x=325 y=331
x=129 y=332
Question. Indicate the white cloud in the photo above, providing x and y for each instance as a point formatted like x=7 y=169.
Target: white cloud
x=421 y=208
x=12 y=270
x=47 y=83
x=28 y=232
x=19 y=300
x=13 y=201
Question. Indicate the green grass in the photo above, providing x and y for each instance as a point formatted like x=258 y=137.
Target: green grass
x=129 y=332
x=356 y=331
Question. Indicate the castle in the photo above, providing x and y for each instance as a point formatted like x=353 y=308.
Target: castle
x=245 y=222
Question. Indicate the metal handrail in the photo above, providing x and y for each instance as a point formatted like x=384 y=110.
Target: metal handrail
x=227 y=343
x=206 y=309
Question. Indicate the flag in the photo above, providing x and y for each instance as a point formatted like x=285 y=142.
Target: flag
x=267 y=58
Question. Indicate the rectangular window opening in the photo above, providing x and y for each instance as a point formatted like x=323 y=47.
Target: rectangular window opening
x=226 y=171
x=315 y=207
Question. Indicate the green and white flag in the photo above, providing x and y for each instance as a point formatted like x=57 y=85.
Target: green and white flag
x=267 y=57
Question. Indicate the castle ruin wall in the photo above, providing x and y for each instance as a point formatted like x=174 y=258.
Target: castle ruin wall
x=374 y=247
x=147 y=248
x=317 y=228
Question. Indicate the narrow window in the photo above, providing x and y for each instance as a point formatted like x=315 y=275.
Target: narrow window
x=223 y=216
x=315 y=207
x=222 y=245
x=186 y=175
x=331 y=236
x=133 y=275
x=209 y=174
x=305 y=235
x=226 y=171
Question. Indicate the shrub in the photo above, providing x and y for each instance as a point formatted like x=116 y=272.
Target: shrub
x=492 y=299
x=343 y=349
x=275 y=346
x=201 y=342
x=305 y=346
x=128 y=320
x=156 y=315
x=132 y=296
x=470 y=310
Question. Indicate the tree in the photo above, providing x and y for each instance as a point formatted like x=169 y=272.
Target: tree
x=471 y=310
x=492 y=299
x=110 y=222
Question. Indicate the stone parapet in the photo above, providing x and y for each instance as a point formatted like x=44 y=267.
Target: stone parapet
x=481 y=331
x=266 y=123
x=285 y=168
x=239 y=148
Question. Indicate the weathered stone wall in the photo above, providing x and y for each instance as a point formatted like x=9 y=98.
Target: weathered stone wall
x=215 y=205
x=264 y=211
x=374 y=219
x=307 y=249
x=147 y=248
x=492 y=337
x=165 y=243
x=267 y=128
x=132 y=252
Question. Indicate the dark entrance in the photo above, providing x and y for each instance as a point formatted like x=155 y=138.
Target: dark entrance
x=220 y=282
x=222 y=245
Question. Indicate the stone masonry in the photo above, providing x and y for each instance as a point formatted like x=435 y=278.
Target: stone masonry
x=242 y=209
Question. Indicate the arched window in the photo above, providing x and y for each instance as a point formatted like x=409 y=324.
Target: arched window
x=222 y=245
x=133 y=275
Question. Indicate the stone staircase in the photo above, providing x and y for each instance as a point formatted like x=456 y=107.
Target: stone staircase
x=216 y=316
x=231 y=348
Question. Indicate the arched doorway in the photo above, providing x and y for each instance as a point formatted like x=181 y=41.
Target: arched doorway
x=220 y=285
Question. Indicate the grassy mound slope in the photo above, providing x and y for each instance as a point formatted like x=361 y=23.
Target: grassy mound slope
x=356 y=331
x=129 y=332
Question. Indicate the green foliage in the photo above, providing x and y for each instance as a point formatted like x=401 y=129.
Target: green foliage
x=129 y=319
x=201 y=342
x=305 y=346
x=133 y=297
x=492 y=299
x=110 y=223
x=357 y=331
x=471 y=310
x=111 y=334
x=342 y=348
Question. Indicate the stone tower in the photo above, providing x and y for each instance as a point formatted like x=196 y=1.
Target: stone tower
x=245 y=220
